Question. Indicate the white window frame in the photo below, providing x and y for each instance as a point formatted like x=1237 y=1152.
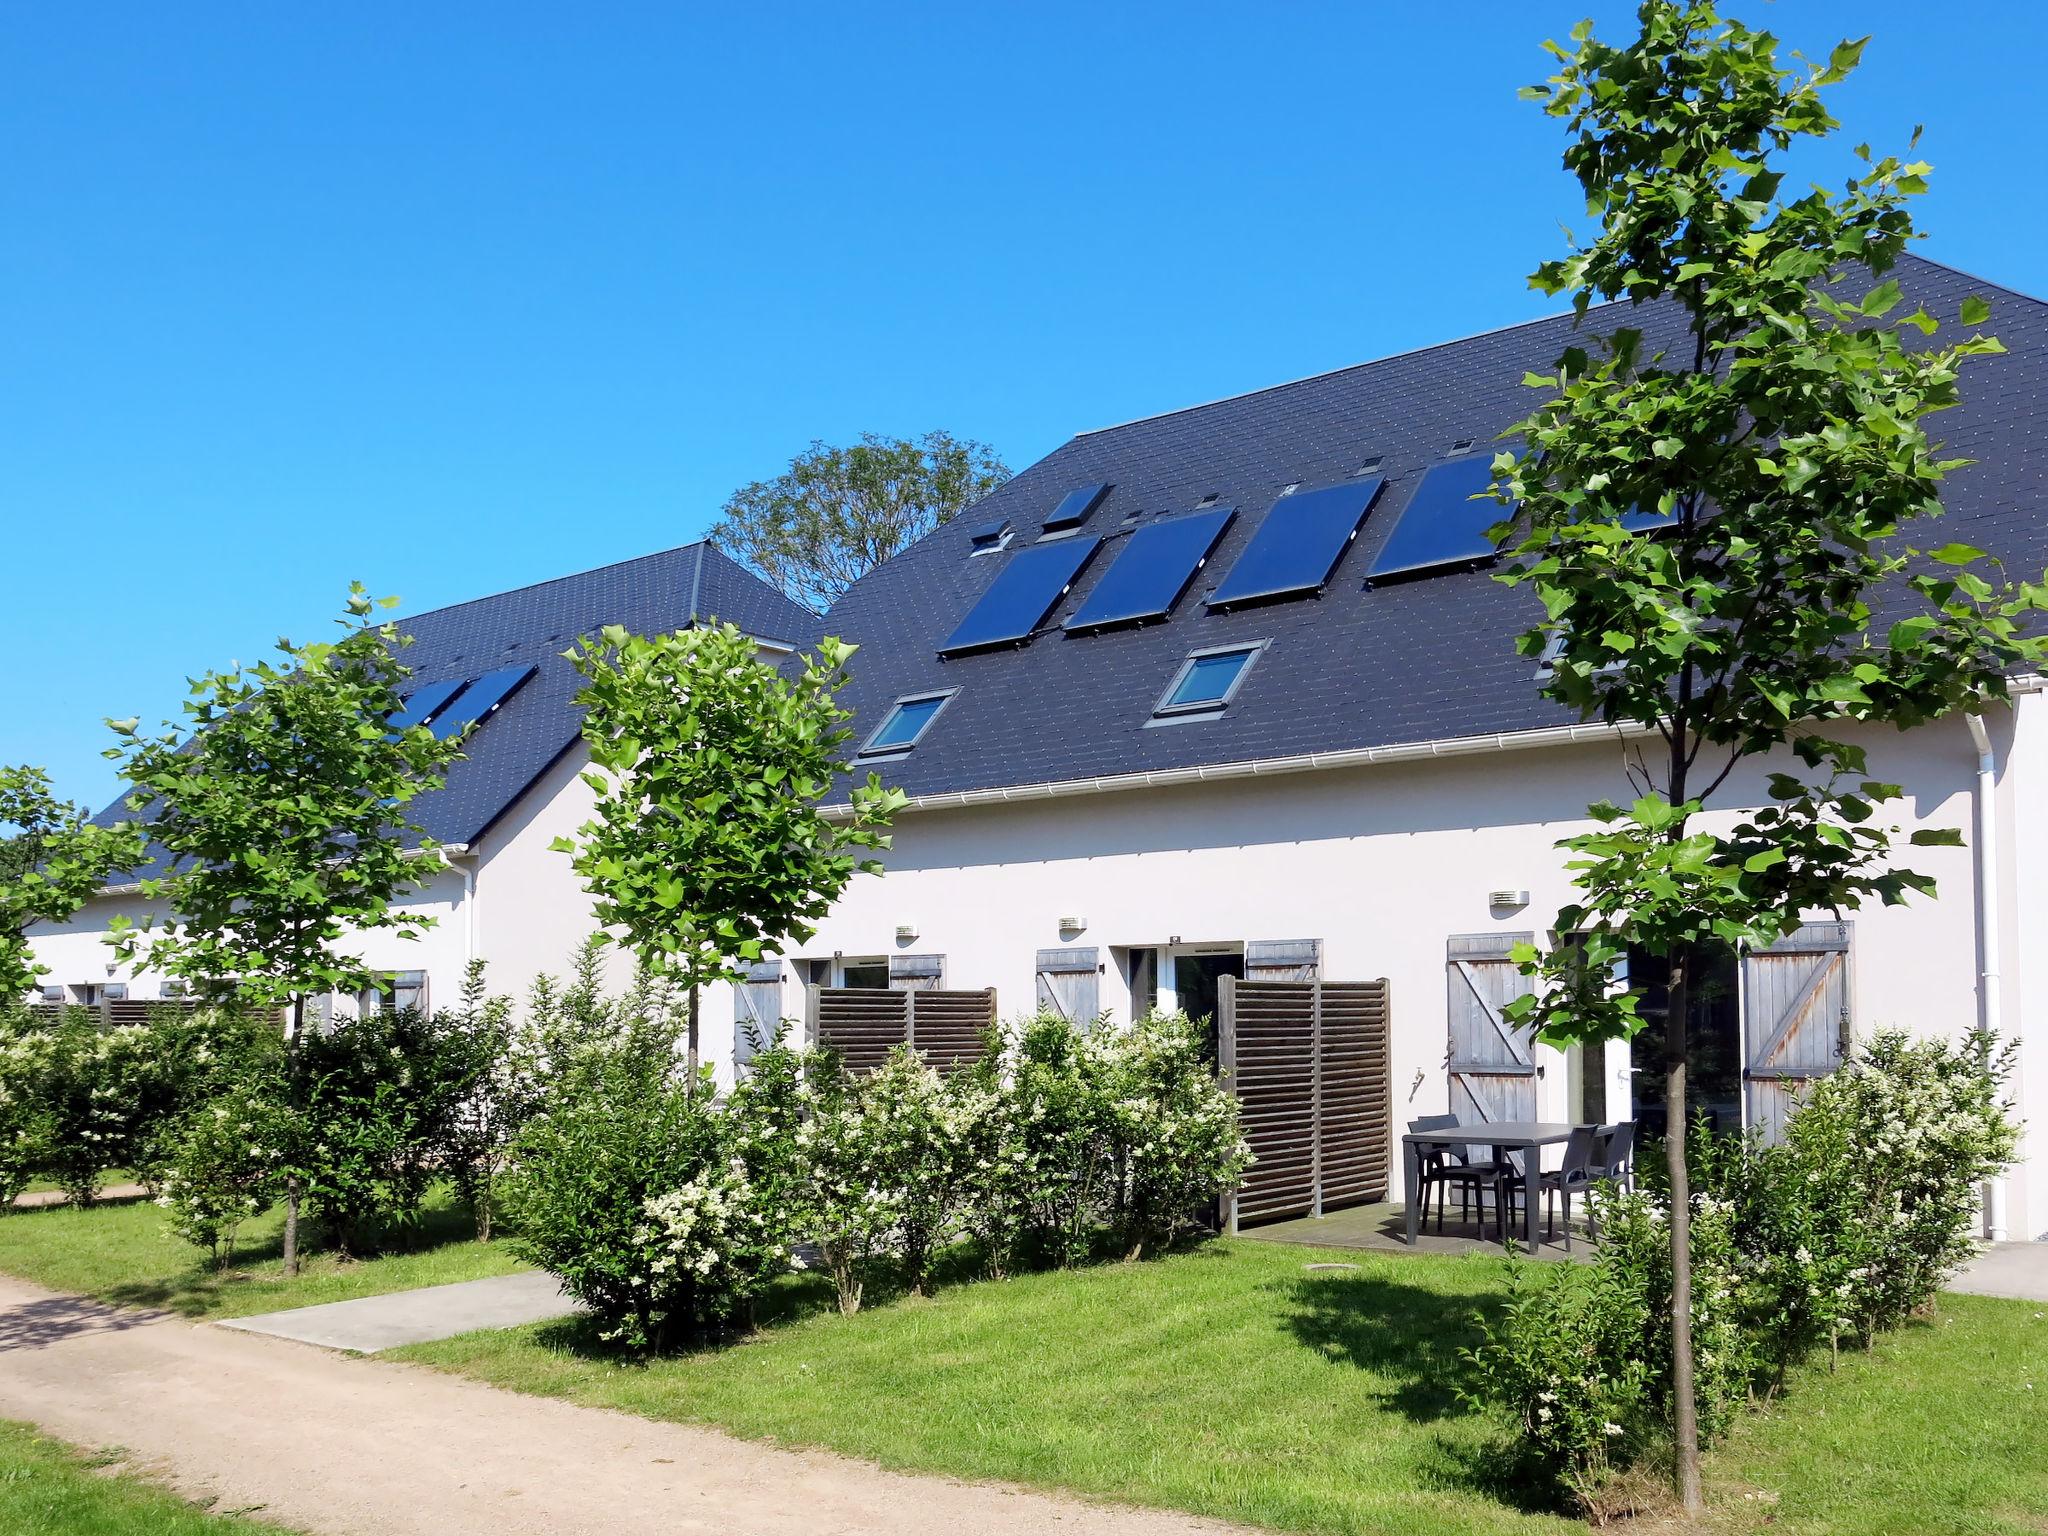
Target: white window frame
x=897 y=749
x=1164 y=712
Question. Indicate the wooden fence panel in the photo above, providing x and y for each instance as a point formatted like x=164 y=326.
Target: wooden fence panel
x=864 y=1024
x=1309 y=1064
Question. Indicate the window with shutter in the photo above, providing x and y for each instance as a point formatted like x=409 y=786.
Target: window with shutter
x=1796 y=1002
x=1492 y=1063
x=917 y=973
x=1283 y=960
x=1067 y=983
x=756 y=1010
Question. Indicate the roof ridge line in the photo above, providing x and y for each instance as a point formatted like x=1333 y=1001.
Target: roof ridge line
x=533 y=586
x=1497 y=330
x=1327 y=373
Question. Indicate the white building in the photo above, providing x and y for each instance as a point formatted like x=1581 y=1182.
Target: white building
x=1230 y=691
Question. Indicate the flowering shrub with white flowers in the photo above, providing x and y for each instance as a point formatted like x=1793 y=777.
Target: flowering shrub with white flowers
x=78 y=1099
x=663 y=1210
x=1846 y=1228
x=1175 y=1143
x=1071 y=1133
x=226 y=1165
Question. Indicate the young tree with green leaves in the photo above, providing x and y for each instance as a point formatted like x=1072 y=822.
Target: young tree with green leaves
x=707 y=848
x=280 y=809
x=836 y=513
x=53 y=859
x=1786 y=439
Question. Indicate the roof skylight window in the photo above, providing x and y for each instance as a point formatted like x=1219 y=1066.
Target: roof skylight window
x=1207 y=681
x=990 y=537
x=424 y=703
x=905 y=724
x=1075 y=507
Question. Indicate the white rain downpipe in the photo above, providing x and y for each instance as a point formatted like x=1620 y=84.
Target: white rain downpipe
x=1989 y=1012
x=464 y=858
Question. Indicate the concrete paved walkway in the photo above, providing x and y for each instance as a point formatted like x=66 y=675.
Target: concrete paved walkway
x=341 y=1446
x=2017 y=1270
x=371 y=1323
x=39 y=1199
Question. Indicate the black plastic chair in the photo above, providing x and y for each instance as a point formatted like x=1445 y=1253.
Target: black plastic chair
x=1614 y=1153
x=1444 y=1166
x=1575 y=1173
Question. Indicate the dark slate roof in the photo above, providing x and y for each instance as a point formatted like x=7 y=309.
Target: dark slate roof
x=652 y=595
x=1417 y=660
x=514 y=746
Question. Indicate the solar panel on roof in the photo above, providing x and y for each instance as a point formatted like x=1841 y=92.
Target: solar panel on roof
x=1023 y=593
x=423 y=703
x=1442 y=524
x=1075 y=506
x=1299 y=543
x=483 y=695
x=1153 y=569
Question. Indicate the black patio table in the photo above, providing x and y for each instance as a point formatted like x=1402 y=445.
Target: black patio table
x=1503 y=1136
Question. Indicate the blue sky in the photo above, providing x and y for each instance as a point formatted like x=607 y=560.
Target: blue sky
x=453 y=298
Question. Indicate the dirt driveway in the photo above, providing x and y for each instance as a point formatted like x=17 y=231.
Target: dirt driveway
x=361 y=1447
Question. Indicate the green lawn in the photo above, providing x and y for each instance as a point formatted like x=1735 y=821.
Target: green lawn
x=125 y=1253
x=1234 y=1382
x=49 y=1490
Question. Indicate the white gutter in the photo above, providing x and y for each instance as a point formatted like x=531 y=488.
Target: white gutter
x=1266 y=767
x=1989 y=1010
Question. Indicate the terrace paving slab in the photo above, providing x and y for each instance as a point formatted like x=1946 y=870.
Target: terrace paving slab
x=2015 y=1270
x=372 y=1323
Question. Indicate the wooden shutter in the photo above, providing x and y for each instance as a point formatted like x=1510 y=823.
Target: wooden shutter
x=1796 y=1001
x=756 y=1010
x=1067 y=983
x=1283 y=960
x=917 y=973
x=1492 y=1065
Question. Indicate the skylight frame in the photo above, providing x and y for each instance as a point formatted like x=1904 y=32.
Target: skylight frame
x=869 y=749
x=1167 y=712
x=1075 y=508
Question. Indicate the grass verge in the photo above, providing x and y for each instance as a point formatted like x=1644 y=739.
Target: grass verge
x=47 y=1489
x=127 y=1254
x=1234 y=1382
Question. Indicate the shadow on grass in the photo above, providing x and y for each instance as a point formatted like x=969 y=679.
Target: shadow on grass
x=194 y=1292
x=1415 y=1337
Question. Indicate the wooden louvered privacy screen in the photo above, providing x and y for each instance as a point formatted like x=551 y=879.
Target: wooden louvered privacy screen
x=120 y=1012
x=1311 y=1066
x=863 y=1024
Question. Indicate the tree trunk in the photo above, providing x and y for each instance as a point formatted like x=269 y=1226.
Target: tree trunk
x=1685 y=1428
x=291 y=1182
x=693 y=1035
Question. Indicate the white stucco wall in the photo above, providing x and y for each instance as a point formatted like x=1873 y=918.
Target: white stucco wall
x=1381 y=863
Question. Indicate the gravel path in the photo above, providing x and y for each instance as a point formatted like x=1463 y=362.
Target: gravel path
x=361 y=1447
